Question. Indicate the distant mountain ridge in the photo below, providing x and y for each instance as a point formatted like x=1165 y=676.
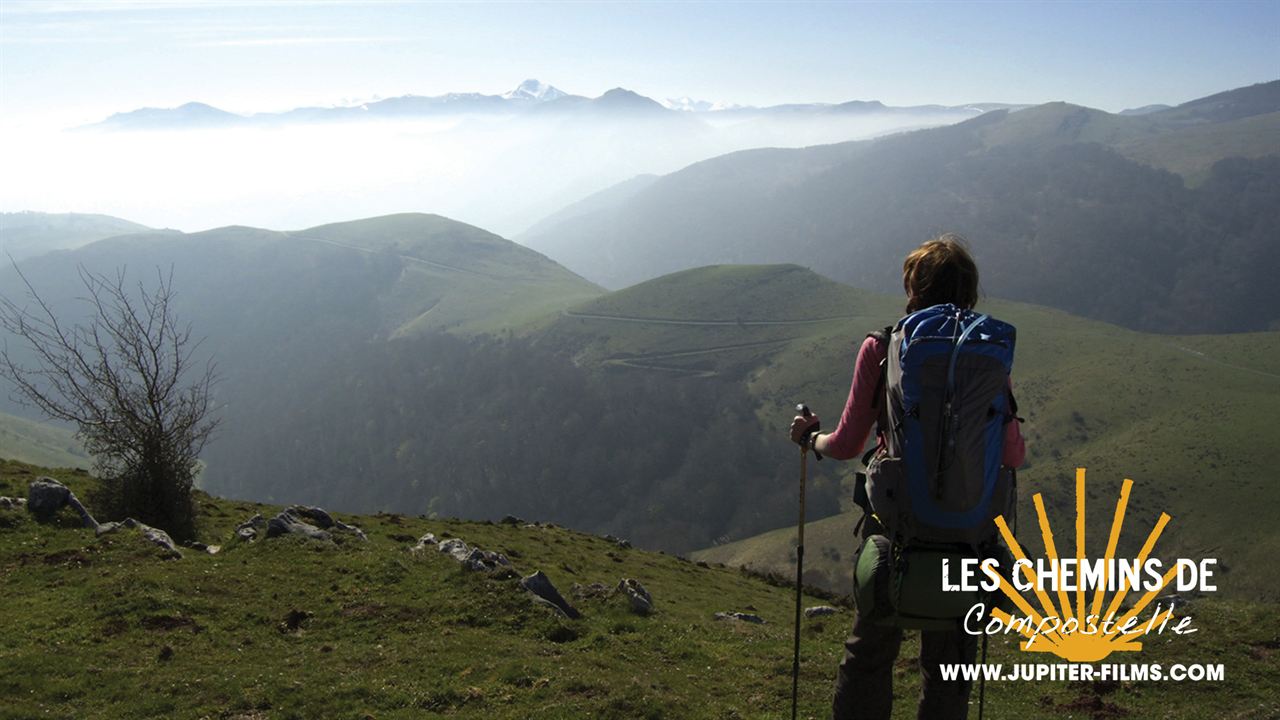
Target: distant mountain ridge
x=1065 y=205
x=529 y=95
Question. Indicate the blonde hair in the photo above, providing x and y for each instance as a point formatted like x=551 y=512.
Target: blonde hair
x=940 y=271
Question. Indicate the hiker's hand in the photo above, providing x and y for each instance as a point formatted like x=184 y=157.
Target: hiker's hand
x=801 y=427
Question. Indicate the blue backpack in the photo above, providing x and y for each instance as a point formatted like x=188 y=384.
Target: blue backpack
x=938 y=477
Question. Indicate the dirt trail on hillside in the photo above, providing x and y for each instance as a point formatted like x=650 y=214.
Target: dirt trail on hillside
x=646 y=362
x=1209 y=358
x=720 y=323
x=407 y=258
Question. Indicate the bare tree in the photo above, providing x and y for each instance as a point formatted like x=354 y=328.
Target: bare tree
x=121 y=378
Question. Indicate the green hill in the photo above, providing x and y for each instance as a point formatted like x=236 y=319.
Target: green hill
x=719 y=319
x=470 y=278
x=39 y=443
x=278 y=311
x=395 y=275
x=24 y=234
x=1065 y=206
x=106 y=628
x=267 y=300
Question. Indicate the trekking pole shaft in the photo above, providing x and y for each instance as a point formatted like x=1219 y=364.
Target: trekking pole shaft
x=795 y=662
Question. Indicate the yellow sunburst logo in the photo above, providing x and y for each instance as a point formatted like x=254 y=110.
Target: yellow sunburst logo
x=1085 y=631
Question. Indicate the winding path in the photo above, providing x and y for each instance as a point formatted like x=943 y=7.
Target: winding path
x=407 y=258
x=647 y=362
x=644 y=362
x=721 y=323
x=1210 y=359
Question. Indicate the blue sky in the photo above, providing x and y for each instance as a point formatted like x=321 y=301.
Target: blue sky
x=77 y=61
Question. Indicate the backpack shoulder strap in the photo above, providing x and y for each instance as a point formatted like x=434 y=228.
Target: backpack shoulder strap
x=879 y=399
x=1012 y=413
x=883 y=336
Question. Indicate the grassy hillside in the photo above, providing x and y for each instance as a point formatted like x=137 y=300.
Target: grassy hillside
x=267 y=300
x=105 y=628
x=1192 y=151
x=1185 y=417
x=24 y=234
x=463 y=276
x=393 y=275
x=713 y=319
x=38 y=443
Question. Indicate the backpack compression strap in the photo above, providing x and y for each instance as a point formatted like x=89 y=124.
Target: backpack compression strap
x=860 y=478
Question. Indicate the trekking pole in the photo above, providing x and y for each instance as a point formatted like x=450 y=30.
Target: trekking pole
x=982 y=680
x=804 y=471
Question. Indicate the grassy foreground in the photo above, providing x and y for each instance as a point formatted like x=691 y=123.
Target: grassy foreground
x=106 y=628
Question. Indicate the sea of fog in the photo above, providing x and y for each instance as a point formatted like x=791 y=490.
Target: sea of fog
x=499 y=173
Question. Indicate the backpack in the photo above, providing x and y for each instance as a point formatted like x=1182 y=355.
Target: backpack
x=946 y=402
x=936 y=485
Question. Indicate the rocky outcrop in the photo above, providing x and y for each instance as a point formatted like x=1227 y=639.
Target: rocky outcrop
x=819 y=611
x=8 y=503
x=472 y=558
x=287 y=523
x=545 y=592
x=201 y=547
x=424 y=542
x=741 y=617
x=155 y=536
x=594 y=591
x=620 y=542
x=251 y=529
x=323 y=520
x=308 y=522
x=46 y=496
x=640 y=600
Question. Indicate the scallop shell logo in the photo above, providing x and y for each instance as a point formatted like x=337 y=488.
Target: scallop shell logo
x=1080 y=635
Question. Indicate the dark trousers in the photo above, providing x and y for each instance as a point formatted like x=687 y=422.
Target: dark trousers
x=864 y=682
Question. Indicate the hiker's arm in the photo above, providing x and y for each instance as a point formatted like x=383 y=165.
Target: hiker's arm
x=859 y=416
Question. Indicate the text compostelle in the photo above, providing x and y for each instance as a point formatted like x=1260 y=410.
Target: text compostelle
x=1072 y=574
x=1033 y=628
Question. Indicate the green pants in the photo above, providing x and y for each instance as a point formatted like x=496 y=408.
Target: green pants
x=864 y=682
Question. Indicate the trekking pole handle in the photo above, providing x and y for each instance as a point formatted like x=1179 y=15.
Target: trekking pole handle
x=805 y=412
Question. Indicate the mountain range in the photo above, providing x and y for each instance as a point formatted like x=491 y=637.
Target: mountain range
x=531 y=96
x=1163 y=221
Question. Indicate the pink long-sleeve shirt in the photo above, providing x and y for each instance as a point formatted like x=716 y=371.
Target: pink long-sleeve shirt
x=860 y=413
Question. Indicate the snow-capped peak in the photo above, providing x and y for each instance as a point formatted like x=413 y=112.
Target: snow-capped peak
x=688 y=104
x=535 y=90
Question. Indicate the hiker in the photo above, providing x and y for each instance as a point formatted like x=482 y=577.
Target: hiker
x=938 y=273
